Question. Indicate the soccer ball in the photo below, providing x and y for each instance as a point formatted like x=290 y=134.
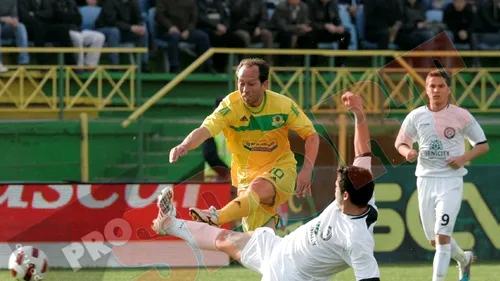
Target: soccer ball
x=27 y=263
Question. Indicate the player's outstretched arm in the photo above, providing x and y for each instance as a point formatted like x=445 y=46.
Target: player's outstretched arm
x=363 y=262
x=354 y=103
x=192 y=141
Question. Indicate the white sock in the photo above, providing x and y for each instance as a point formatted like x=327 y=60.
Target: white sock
x=457 y=253
x=441 y=262
x=179 y=229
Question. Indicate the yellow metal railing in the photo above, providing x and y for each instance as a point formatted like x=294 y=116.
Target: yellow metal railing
x=307 y=80
x=384 y=89
x=58 y=88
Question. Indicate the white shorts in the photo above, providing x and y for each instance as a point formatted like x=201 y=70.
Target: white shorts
x=261 y=253
x=439 y=201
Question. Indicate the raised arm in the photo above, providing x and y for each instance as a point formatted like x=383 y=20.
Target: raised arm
x=354 y=104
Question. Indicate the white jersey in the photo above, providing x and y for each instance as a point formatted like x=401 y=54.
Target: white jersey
x=440 y=136
x=332 y=242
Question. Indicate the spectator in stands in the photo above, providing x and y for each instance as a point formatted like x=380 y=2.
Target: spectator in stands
x=66 y=12
x=37 y=16
x=327 y=26
x=415 y=29
x=10 y=28
x=488 y=29
x=293 y=23
x=121 y=21
x=458 y=18
x=249 y=24
x=352 y=7
x=439 y=5
x=214 y=20
x=382 y=30
x=177 y=21
x=88 y=2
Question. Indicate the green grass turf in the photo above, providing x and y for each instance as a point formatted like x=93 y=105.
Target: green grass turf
x=389 y=272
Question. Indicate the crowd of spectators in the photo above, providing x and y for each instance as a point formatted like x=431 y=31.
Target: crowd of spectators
x=196 y=25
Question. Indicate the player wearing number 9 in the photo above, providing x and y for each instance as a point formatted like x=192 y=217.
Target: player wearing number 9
x=255 y=123
x=440 y=128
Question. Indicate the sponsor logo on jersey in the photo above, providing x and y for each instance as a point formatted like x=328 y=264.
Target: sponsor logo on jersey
x=327 y=233
x=263 y=145
x=436 y=151
x=313 y=232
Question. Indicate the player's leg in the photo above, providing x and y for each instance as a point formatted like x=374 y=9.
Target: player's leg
x=257 y=204
x=283 y=181
x=198 y=235
x=448 y=204
x=274 y=188
x=259 y=191
x=243 y=205
x=426 y=188
x=426 y=207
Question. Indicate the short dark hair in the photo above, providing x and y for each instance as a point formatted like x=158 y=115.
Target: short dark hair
x=440 y=73
x=260 y=63
x=358 y=182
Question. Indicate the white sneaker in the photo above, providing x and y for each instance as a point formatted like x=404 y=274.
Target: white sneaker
x=3 y=68
x=464 y=271
x=166 y=211
x=206 y=216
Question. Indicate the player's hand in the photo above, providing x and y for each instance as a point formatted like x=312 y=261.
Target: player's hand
x=456 y=162
x=352 y=101
x=304 y=182
x=177 y=152
x=412 y=156
x=185 y=34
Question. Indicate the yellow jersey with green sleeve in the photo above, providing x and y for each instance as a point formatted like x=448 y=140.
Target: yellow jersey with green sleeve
x=257 y=137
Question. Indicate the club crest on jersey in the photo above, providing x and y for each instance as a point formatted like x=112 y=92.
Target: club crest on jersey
x=449 y=132
x=278 y=121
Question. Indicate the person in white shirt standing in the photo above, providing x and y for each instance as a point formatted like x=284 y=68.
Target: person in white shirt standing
x=339 y=238
x=440 y=130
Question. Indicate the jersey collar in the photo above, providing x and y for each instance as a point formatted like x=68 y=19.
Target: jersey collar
x=260 y=108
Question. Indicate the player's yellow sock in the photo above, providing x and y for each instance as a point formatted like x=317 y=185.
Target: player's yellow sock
x=240 y=207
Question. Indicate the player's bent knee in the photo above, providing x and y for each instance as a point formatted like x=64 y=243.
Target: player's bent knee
x=443 y=239
x=264 y=189
x=232 y=243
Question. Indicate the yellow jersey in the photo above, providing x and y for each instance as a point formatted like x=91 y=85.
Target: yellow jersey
x=258 y=137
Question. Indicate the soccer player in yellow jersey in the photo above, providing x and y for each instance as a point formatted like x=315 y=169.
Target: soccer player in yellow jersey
x=255 y=122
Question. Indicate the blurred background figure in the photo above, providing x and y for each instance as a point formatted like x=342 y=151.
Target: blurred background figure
x=11 y=28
